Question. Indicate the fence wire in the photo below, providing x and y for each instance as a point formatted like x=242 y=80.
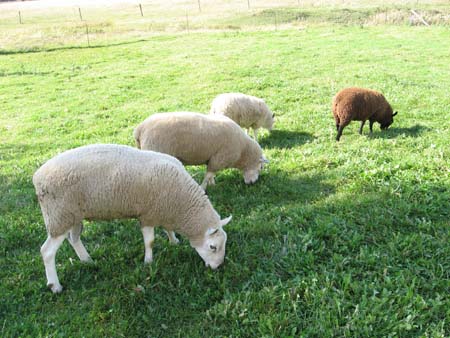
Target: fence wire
x=48 y=23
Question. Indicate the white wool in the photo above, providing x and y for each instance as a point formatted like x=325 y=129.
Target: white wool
x=197 y=139
x=103 y=182
x=246 y=110
x=114 y=181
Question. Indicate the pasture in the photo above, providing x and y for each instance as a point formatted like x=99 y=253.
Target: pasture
x=347 y=239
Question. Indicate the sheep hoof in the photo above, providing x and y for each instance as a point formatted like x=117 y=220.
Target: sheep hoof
x=87 y=260
x=56 y=288
x=250 y=182
x=148 y=261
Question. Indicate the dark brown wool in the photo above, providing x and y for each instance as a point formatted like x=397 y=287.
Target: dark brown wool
x=361 y=104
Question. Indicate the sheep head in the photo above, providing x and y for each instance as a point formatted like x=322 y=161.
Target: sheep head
x=388 y=120
x=212 y=248
x=270 y=120
x=251 y=174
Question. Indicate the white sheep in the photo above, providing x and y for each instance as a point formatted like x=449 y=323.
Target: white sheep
x=247 y=111
x=196 y=139
x=103 y=182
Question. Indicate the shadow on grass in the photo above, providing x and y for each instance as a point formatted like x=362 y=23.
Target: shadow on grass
x=52 y=49
x=393 y=132
x=285 y=139
x=281 y=238
x=304 y=241
x=23 y=73
x=273 y=188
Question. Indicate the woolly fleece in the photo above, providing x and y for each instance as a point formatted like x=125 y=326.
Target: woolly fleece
x=114 y=181
x=246 y=110
x=196 y=139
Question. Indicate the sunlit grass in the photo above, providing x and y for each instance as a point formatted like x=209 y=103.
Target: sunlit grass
x=343 y=239
x=50 y=24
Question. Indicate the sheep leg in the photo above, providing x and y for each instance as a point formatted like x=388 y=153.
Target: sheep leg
x=172 y=238
x=210 y=176
x=149 y=237
x=77 y=245
x=361 y=127
x=208 y=180
x=371 y=122
x=336 y=119
x=255 y=133
x=340 y=129
x=48 y=252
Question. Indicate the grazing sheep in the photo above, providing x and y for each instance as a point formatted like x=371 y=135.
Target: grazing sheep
x=361 y=104
x=247 y=111
x=196 y=139
x=103 y=182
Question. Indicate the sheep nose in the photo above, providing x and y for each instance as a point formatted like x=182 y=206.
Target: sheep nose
x=215 y=267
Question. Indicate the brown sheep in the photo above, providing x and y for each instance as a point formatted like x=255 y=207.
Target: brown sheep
x=361 y=104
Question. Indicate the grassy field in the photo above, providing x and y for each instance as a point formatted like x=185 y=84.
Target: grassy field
x=347 y=239
x=50 y=24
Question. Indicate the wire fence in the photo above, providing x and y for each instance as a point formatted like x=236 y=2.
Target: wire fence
x=49 y=23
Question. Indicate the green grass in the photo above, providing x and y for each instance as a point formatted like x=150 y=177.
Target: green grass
x=49 y=27
x=345 y=239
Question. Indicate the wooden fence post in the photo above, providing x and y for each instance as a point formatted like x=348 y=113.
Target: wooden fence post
x=248 y=4
x=187 y=22
x=199 y=6
x=420 y=17
x=79 y=12
x=87 y=36
x=20 y=18
x=140 y=7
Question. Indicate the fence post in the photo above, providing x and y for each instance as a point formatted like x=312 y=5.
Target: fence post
x=87 y=36
x=140 y=7
x=20 y=18
x=419 y=17
x=248 y=4
x=199 y=6
x=79 y=12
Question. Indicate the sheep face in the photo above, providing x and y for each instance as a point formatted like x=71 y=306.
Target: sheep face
x=251 y=174
x=270 y=121
x=212 y=250
x=387 y=121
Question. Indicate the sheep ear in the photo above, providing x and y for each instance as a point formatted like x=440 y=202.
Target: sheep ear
x=212 y=231
x=225 y=221
x=395 y=114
